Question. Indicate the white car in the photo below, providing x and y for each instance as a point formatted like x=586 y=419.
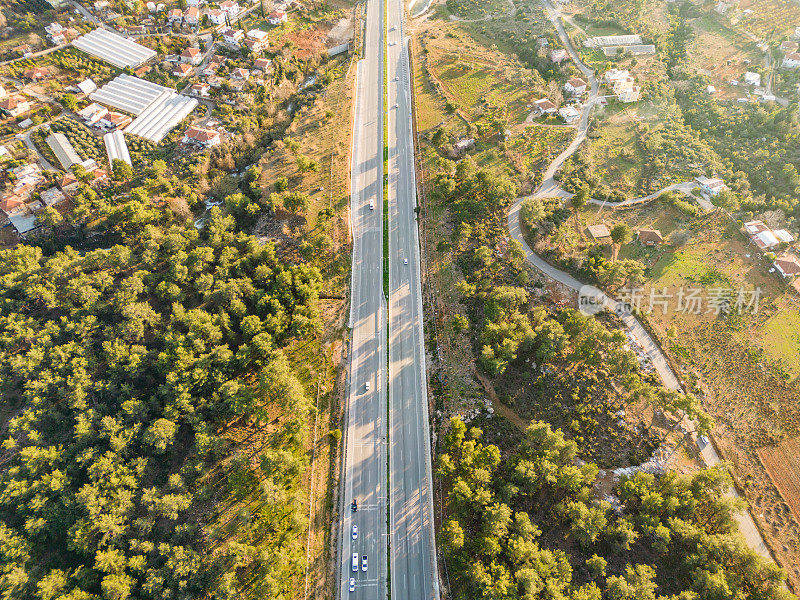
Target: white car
x=392 y=43
x=366 y=386
x=364 y=563
x=397 y=77
x=395 y=106
x=372 y=204
x=355 y=562
x=352 y=584
x=355 y=532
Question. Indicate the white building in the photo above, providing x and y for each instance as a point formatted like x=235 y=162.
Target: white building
x=230 y=7
x=575 y=86
x=198 y=136
x=216 y=16
x=276 y=17
x=569 y=113
x=93 y=113
x=232 y=37
x=751 y=78
x=710 y=185
x=791 y=60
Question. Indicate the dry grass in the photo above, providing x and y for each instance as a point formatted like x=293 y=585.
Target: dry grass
x=782 y=462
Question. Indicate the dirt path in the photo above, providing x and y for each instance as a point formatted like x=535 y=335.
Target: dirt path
x=504 y=410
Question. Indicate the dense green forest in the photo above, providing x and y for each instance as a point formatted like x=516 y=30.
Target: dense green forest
x=121 y=370
x=523 y=523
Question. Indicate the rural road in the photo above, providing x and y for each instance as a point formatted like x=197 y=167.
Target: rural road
x=412 y=547
x=550 y=188
x=364 y=476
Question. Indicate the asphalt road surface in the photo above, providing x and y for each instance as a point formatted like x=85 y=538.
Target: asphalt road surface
x=411 y=545
x=365 y=428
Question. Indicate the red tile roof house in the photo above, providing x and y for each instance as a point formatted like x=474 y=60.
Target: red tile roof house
x=787 y=266
x=240 y=74
x=15 y=106
x=182 y=70
x=201 y=137
x=36 y=74
x=12 y=205
x=544 y=107
x=192 y=16
x=277 y=17
x=175 y=15
x=192 y=56
x=576 y=86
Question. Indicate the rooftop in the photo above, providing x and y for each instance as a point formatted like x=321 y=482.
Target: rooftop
x=114 y=48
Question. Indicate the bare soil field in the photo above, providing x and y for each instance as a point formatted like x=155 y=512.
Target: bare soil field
x=782 y=462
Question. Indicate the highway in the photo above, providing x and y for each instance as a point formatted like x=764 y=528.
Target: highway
x=398 y=392
x=365 y=421
x=412 y=549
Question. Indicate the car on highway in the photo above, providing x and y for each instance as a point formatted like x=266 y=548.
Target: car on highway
x=397 y=77
x=366 y=386
x=395 y=106
x=355 y=561
x=405 y=261
x=354 y=505
x=364 y=563
x=392 y=43
x=352 y=584
x=355 y=532
x=372 y=204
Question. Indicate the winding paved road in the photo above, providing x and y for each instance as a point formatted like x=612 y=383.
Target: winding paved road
x=550 y=188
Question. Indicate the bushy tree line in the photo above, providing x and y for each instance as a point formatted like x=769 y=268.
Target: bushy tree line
x=526 y=525
x=119 y=370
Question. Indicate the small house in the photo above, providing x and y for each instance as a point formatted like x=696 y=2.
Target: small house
x=52 y=197
x=240 y=74
x=15 y=106
x=92 y=113
x=193 y=56
x=232 y=37
x=182 y=70
x=192 y=16
x=751 y=78
x=115 y=120
x=175 y=16
x=198 y=136
x=276 y=17
x=216 y=16
x=710 y=185
x=791 y=60
x=544 y=107
x=650 y=237
x=569 y=113
x=575 y=86
x=787 y=266
x=230 y=7
x=599 y=232
x=558 y=55
x=257 y=40
x=87 y=86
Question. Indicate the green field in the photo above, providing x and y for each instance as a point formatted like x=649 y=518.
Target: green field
x=781 y=339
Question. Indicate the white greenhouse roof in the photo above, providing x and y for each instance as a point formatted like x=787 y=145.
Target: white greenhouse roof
x=116 y=147
x=114 y=48
x=161 y=116
x=129 y=94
